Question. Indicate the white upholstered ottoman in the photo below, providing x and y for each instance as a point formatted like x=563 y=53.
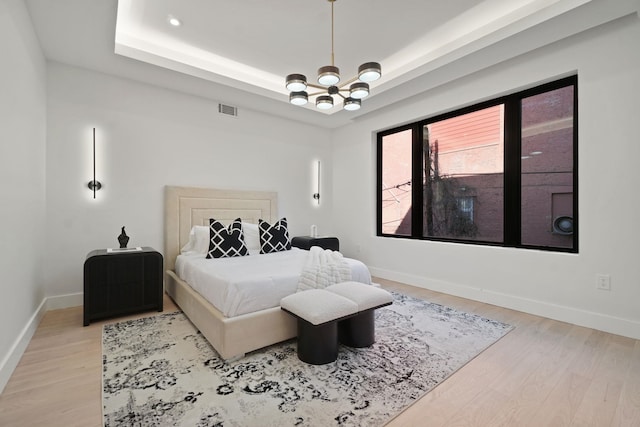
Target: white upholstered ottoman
x=318 y=313
x=359 y=330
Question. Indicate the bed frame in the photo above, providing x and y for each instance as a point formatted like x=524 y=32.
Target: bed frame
x=185 y=207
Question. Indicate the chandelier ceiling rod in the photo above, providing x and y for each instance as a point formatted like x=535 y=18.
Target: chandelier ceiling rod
x=328 y=79
x=332 y=55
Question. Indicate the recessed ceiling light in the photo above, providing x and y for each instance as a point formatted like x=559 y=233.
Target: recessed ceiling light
x=174 y=21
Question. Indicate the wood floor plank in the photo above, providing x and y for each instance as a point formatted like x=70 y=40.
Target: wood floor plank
x=628 y=410
x=478 y=412
x=470 y=383
x=606 y=386
x=543 y=373
x=545 y=366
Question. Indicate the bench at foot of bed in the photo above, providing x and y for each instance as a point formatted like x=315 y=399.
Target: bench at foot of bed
x=339 y=313
x=359 y=330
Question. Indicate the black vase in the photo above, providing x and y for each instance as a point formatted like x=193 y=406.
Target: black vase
x=123 y=239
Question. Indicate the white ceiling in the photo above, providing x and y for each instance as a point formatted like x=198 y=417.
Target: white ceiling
x=239 y=52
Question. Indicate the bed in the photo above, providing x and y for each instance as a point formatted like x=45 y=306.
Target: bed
x=186 y=207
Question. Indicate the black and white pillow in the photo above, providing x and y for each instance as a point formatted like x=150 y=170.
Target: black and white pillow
x=226 y=242
x=274 y=238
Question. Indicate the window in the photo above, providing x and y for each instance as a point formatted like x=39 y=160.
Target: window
x=396 y=183
x=503 y=172
x=465 y=208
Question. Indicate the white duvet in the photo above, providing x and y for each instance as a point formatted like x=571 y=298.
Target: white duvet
x=241 y=285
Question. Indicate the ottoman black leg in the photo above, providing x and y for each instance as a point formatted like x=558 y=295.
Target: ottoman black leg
x=317 y=344
x=358 y=331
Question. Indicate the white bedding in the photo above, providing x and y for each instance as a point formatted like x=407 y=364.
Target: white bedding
x=251 y=283
x=323 y=268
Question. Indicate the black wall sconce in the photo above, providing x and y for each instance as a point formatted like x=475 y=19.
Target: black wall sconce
x=93 y=184
x=316 y=195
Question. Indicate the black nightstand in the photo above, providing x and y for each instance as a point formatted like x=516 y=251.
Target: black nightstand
x=122 y=282
x=305 y=242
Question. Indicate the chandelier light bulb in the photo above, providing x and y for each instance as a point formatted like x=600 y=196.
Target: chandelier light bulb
x=369 y=72
x=298 y=98
x=359 y=90
x=351 y=104
x=329 y=75
x=324 y=102
x=296 y=82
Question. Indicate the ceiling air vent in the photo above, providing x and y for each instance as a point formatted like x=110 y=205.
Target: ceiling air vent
x=228 y=110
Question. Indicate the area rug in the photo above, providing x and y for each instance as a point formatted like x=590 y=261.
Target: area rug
x=160 y=371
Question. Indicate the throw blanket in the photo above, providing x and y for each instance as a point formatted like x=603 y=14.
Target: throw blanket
x=323 y=268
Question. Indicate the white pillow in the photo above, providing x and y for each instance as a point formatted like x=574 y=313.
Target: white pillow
x=251 y=236
x=198 y=240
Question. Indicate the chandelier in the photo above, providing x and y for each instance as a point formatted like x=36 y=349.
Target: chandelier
x=329 y=83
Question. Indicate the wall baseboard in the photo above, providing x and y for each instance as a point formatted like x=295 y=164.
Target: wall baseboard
x=12 y=358
x=65 y=301
x=590 y=319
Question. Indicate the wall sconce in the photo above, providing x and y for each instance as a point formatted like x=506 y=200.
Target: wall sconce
x=93 y=184
x=316 y=195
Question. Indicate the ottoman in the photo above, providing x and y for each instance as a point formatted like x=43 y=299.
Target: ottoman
x=318 y=313
x=359 y=330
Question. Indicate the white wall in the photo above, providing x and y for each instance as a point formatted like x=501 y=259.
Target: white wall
x=149 y=137
x=555 y=285
x=22 y=182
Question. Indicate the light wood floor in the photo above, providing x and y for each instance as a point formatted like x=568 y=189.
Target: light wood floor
x=544 y=373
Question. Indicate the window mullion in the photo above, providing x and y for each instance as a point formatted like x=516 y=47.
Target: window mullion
x=512 y=169
x=417 y=184
x=379 y=184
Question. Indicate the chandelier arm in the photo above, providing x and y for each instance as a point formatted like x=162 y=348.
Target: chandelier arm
x=316 y=86
x=324 y=92
x=348 y=82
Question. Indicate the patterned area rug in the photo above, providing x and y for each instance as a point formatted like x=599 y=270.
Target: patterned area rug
x=160 y=371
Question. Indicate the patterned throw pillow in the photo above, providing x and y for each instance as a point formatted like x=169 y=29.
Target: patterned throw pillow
x=274 y=238
x=226 y=242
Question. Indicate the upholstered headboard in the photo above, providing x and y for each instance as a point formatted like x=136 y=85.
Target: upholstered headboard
x=189 y=206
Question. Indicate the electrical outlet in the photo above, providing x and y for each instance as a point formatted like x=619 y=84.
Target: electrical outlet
x=603 y=282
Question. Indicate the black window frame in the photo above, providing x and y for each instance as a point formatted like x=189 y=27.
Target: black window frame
x=512 y=228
